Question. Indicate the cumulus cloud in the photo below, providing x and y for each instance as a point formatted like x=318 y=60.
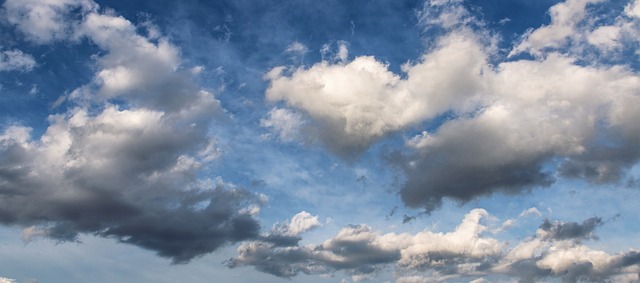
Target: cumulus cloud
x=354 y=103
x=465 y=252
x=497 y=124
x=361 y=252
x=125 y=169
x=16 y=60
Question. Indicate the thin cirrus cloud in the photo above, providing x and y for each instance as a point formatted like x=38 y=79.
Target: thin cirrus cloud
x=514 y=125
x=125 y=171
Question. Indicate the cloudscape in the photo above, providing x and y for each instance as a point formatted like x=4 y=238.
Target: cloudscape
x=319 y=141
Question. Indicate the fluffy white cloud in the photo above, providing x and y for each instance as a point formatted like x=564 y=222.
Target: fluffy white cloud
x=357 y=102
x=506 y=121
x=298 y=224
x=6 y=280
x=633 y=9
x=16 y=60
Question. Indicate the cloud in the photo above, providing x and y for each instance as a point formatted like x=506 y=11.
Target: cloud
x=297 y=48
x=124 y=161
x=283 y=122
x=361 y=252
x=16 y=60
x=570 y=230
x=123 y=174
x=46 y=21
x=565 y=18
x=497 y=124
x=465 y=252
x=633 y=9
x=6 y=280
x=355 y=103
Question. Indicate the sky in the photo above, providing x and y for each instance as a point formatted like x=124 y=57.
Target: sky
x=319 y=141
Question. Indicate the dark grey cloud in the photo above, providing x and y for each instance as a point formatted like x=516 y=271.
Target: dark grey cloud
x=604 y=163
x=125 y=160
x=571 y=230
x=122 y=198
x=440 y=175
x=359 y=256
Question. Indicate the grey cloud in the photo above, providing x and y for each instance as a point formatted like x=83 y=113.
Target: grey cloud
x=604 y=163
x=429 y=180
x=172 y=215
x=361 y=252
x=571 y=230
x=356 y=257
x=555 y=252
x=124 y=162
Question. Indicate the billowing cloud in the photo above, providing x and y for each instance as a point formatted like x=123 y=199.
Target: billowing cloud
x=466 y=252
x=129 y=168
x=354 y=103
x=16 y=60
x=498 y=124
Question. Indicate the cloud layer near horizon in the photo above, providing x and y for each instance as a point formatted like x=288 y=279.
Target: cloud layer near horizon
x=471 y=251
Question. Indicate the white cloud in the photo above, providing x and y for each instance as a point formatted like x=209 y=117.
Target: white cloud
x=298 y=224
x=530 y=211
x=565 y=18
x=633 y=9
x=283 y=122
x=44 y=21
x=361 y=101
x=297 y=48
x=505 y=120
x=605 y=37
x=16 y=60
x=6 y=280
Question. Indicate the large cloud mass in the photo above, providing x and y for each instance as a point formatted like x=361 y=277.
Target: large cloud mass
x=501 y=124
x=127 y=169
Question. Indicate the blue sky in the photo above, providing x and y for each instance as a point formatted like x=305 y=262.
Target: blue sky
x=319 y=141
